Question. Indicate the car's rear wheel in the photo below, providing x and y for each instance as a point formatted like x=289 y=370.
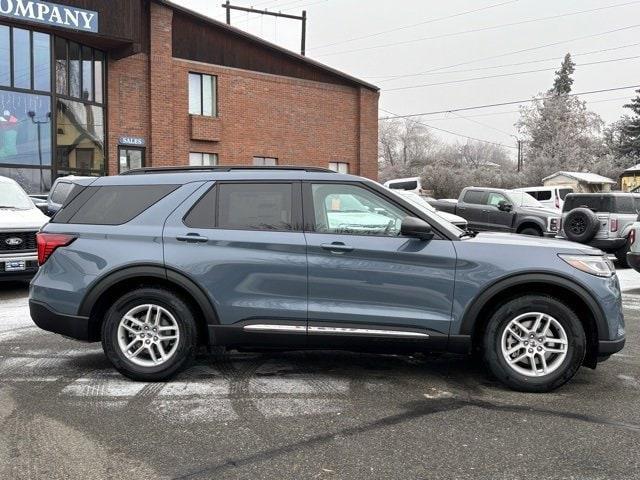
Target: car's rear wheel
x=149 y=334
x=534 y=343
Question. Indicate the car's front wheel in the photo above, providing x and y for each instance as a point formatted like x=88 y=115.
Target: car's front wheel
x=534 y=343
x=149 y=334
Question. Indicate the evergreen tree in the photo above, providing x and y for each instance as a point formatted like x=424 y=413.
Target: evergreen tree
x=563 y=81
x=629 y=144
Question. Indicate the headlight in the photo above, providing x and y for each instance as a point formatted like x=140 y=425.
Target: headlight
x=593 y=264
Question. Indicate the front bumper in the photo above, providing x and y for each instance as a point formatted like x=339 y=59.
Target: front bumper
x=67 y=325
x=30 y=260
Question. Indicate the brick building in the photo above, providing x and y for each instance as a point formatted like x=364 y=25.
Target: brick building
x=95 y=87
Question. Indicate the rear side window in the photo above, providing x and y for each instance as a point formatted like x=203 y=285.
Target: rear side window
x=61 y=192
x=253 y=206
x=112 y=205
x=203 y=213
x=625 y=204
x=473 y=196
x=408 y=185
x=533 y=194
x=543 y=195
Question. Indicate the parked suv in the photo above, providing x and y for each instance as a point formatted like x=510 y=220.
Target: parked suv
x=154 y=265
x=19 y=222
x=602 y=220
x=551 y=197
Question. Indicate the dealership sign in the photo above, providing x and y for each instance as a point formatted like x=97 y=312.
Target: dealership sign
x=132 y=141
x=50 y=14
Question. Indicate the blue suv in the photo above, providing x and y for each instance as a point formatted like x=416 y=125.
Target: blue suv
x=157 y=262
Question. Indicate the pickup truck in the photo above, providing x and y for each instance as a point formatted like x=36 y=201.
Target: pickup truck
x=500 y=210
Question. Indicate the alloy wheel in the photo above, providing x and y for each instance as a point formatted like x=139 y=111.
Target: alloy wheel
x=534 y=344
x=148 y=335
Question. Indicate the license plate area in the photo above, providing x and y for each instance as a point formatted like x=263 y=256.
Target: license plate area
x=15 y=266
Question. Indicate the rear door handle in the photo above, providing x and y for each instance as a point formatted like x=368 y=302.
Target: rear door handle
x=337 y=247
x=192 y=238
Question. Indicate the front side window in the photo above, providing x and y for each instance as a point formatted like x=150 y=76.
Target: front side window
x=197 y=159
x=354 y=210
x=253 y=206
x=341 y=167
x=494 y=199
x=265 y=161
x=203 y=95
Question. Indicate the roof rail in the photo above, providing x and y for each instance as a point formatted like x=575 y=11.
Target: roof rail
x=221 y=168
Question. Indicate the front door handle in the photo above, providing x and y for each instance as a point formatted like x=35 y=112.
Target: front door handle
x=192 y=238
x=337 y=247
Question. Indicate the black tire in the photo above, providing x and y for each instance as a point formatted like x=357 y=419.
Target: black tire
x=576 y=348
x=531 y=231
x=581 y=225
x=621 y=255
x=187 y=342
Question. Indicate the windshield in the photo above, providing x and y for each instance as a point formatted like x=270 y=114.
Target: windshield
x=12 y=196
x=523 y=199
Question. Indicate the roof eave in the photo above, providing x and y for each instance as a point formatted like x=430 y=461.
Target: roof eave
x=273 y=46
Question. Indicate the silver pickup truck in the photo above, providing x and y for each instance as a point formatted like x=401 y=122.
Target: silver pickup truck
x=500 y=210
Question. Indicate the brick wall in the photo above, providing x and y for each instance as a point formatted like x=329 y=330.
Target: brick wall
x=300 y=122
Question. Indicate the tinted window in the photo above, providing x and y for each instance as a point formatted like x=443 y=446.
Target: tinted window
x=112 y=205
x=203 y=214
x=564 y=192
x=61 y=192
x=597 y=203
x=253 y=206
x=543 y=195
x=408 y=185
x=473 y=196
x=624 y=204
x=533 y=194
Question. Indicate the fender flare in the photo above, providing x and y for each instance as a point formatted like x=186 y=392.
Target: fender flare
x=483 y=298
x=148 y=270
x=536 y=220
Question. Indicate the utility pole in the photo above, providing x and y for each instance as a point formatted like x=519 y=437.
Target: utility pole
x=303 y=18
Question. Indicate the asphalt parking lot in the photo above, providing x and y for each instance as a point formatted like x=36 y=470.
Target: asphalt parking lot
x=64 y=413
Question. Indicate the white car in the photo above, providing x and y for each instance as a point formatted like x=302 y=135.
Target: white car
x=551 y=196
x=421 y=203
x=20 y=220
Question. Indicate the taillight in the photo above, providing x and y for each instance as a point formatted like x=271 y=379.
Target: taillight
x=48 y=242
x=613 y=224
x=632 y=236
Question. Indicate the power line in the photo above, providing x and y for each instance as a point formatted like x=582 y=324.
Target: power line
x=514 y=102
x=387 y=78
x=537 y=47
x=476 y=30
x=448 y=131
x=500 y=75
x=424 y=22
x=482 y=124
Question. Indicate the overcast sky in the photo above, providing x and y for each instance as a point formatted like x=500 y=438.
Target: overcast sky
x=335 y=27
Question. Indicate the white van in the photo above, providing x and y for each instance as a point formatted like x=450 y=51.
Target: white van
x=551 y=197
x=410 y=184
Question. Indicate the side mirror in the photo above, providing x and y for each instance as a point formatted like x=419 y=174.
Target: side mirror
x=503 y=206
x=43 y=207
x=416 y=228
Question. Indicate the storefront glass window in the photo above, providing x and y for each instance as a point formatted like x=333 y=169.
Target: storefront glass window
x=74 y=70
x=87 y=74
x=25 y=129
x=21 y=58
x=80 y=138
x=62 y=71
x=41 y=62
x=5 y=56
x=98 y=67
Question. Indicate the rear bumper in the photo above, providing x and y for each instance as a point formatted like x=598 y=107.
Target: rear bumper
x=67 y=325
x=634 y=260
x=608 y=245
x=609 y=347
